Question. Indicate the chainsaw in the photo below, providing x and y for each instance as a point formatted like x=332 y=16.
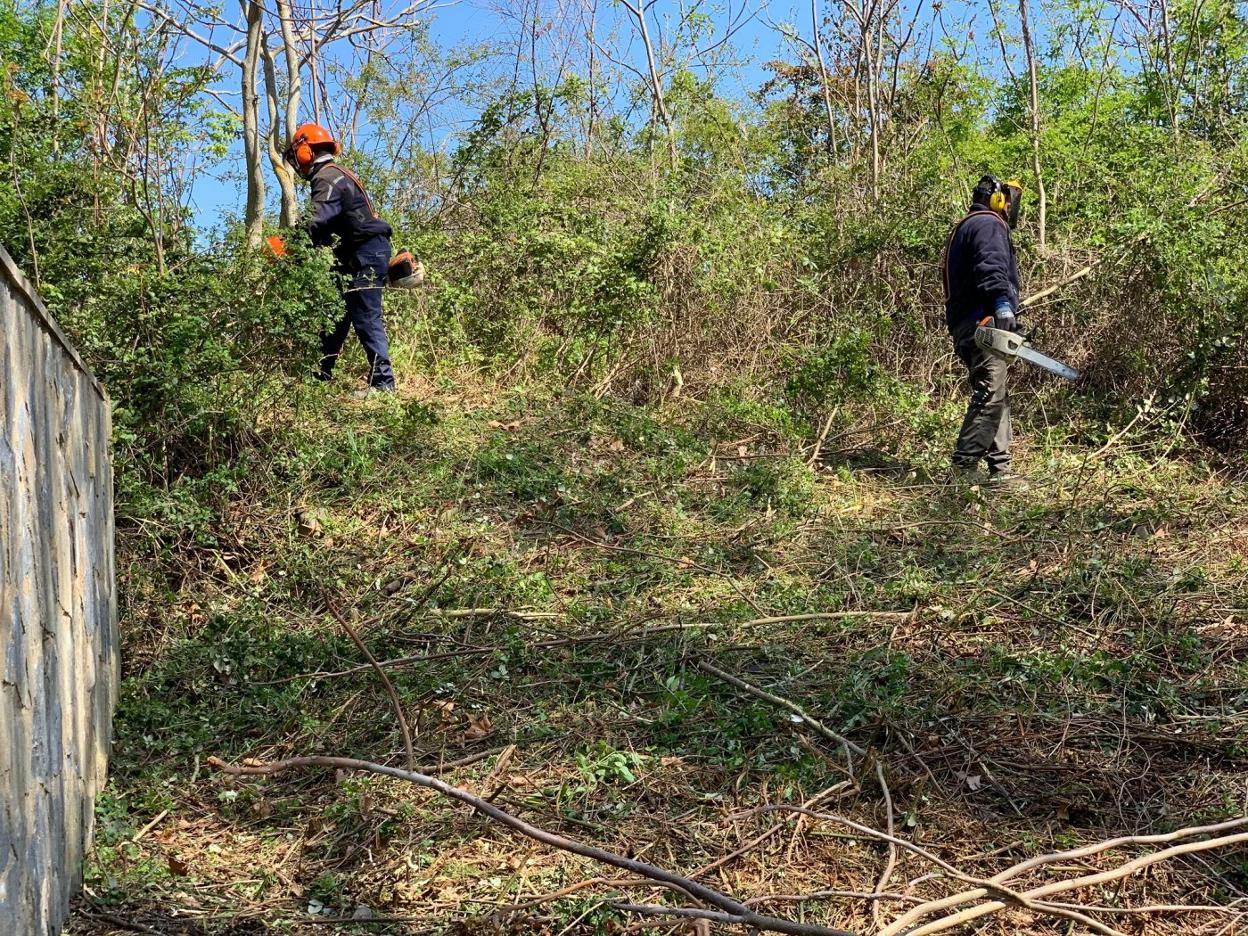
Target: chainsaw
x=1015 y=346
x=405 y=271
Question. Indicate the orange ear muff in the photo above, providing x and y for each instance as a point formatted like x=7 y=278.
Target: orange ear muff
x=303 y=154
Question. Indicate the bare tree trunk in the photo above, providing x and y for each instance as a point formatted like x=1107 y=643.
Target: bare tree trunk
x=57 y=46
x=656 y=82
x=823 y=76
x=873 y=99
x=253 y=218
x=294 y=84
x=1030 y=49
x=277 y=143
x=313 y=73
x=1171 y=89
x=592 y=118
x=294 y=96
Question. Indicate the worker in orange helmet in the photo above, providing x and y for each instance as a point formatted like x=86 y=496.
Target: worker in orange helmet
x=343 y=217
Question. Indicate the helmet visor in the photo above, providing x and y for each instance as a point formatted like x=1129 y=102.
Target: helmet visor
x=1013 y=201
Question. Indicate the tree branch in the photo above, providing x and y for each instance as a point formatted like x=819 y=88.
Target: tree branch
x=381 y=674
x=733 y=909
x=782 y=702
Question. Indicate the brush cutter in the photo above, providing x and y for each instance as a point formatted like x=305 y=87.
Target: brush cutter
x=406 y=271
x=1015 y=346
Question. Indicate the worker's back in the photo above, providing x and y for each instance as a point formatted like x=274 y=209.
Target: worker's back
x=979 y=266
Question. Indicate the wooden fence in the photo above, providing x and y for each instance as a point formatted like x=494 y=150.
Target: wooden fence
x=58 y=622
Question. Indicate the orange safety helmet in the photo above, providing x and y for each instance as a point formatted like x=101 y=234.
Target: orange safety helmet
x=309 y=141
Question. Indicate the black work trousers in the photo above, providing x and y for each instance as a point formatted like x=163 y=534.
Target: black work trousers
x=986 y=432
x=364 y=274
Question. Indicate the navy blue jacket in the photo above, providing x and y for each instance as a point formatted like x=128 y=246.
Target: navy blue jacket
x=979 y=267
x=341 y=209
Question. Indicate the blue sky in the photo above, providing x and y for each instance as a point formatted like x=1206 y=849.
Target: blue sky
x=218 y=192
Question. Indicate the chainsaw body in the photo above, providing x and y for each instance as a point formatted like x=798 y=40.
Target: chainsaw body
x=1012 y=346
x=406 y=271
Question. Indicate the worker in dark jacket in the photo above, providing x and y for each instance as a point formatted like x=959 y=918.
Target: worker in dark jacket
x=343 y=217
x=981 y=286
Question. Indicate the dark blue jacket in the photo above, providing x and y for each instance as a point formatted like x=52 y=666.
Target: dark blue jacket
x=979 y=267
x=341 y=209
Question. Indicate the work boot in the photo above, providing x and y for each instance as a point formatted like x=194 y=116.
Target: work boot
x=1002 y=479
x=368 y=392
x=965 y=474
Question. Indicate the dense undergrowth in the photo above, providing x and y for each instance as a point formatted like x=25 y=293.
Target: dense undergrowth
x=1031 y=670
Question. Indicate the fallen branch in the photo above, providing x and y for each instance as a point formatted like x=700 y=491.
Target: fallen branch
x=1006 y=895
x=891 y=865
x=823 y=437
x=1036 y=895
x=381 y=673
x=780 y=701
x=1163 y=838
x=1081 y=272
x=119 y=922
x=734 y=911
x=956 y=900
x=465 y=761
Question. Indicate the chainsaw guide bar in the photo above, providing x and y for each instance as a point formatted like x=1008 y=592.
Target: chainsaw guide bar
x=1012 y=346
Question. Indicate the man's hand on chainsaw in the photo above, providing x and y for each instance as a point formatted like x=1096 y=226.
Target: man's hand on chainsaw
x=1003 y=315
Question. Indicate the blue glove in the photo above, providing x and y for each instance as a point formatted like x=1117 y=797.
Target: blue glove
x=1003 y=315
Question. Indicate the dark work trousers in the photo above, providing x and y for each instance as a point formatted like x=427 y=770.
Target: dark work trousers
x=364 y=274
x=986 y=429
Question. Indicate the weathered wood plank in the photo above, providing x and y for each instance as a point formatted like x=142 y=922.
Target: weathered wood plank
x=58 y=627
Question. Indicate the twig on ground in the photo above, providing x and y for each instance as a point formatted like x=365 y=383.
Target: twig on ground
x=737 y=912
x=823 y=437
x=381 y=673
x=1235 y=907
x=454 y=613
x=830 y=894
x=780 y=701
x=678 y=560
x=138 y=836
x=715 y=916
x=120 y=922
x=637 y=634
x=764 y=836
x=1163 y=838
x=892 y=849
x=825 y=616
x=449 y=559
x=568 y=891
x=465 y=761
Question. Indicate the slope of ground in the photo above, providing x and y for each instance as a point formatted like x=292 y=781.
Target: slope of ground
x=561 y=576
